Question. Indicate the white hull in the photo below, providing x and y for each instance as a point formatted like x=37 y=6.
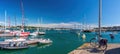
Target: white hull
x=44 y=41
x=11 y=40
x=37 y=33
x=41 y=33
x=33 y=34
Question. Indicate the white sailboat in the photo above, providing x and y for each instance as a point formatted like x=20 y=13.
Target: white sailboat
x=34 y=34
x=38 y=32
x=22 y=32
x=6 y=32
x=80 y=30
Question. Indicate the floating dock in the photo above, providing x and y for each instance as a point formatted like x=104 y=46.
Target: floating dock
x=87 y=49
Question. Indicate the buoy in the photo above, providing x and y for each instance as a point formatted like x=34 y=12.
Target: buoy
x=83 y=37
x=78 y=34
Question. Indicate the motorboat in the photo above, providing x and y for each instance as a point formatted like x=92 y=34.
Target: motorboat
x=41 y=33
x=34 y=34
x=14 y=39
x=37 y=33
x=44 y=41
x=13 y=44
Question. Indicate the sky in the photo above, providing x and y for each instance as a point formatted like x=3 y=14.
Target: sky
x=61 y=11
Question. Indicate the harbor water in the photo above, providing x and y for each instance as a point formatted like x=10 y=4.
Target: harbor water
x=63 y=42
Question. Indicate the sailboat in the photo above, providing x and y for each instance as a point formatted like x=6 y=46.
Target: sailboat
x=22 y=32
x=79 y=30
x=37 y=32
x=6 y=32
x=40 y=32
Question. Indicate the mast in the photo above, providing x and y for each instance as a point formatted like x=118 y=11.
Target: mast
x=83 y=24
x=22 y=8
x=9 y=22
x=15 y=21
x=41 y=21
x=5 y=19
x=100 y=17
x=39 y=25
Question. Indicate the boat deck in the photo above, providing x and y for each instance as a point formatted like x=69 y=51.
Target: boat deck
x=29 y=42
x=6 y=35
x=87 y=49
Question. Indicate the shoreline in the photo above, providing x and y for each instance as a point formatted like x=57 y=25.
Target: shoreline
x=87 y=49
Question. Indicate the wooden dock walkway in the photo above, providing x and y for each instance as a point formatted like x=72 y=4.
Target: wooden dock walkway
x=87 y=49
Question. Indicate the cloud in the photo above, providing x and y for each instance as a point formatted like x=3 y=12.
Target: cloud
x=74 y=25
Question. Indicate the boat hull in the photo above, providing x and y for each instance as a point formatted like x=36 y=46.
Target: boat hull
x=14 y=48
x=24 y=34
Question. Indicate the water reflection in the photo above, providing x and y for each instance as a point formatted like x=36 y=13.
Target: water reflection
x=13 y=51
x=40 y=45
x=43 y=45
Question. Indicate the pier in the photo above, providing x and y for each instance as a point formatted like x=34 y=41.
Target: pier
x=87 y=49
